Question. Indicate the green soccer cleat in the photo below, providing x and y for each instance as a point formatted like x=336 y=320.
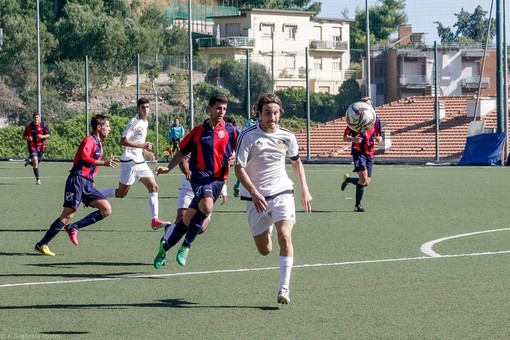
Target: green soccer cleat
x=345 y=182
x=182 y=255
x=160 y=258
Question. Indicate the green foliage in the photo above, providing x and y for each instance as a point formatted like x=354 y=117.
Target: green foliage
x=470 y=27
x=233 y=77
x=349 y=93
x=69 y=79
x=12 y=144
x=67 y=135
x=384 y=19
x=282 y=4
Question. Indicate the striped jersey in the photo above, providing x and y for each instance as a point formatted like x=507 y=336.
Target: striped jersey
x=366 y=146
x=210 y=149
x=38 y=144
x=90 y=150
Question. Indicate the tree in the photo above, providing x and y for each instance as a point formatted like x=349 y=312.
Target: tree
x=281 y=4
x=470 y=27
x=233 y=78
x=384 y=19
x=349 y=93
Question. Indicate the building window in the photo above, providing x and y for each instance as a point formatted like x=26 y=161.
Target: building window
x=317 y=63
x=317 y=33
x=290 y=63
x=336 y=64
x=266 y=31
x=233 y=30
x=337 y=35
x=290 y=32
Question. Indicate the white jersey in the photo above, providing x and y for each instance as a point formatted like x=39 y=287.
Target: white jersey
x=262 y=155
x=136 y=131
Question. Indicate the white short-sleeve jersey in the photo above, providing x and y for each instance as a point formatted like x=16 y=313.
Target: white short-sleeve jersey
x=262 y=155
x=136 y=131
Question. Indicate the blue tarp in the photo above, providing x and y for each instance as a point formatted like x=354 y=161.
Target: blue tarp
x=484 y=149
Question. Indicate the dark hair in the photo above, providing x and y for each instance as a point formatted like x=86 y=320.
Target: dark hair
x=35 y=114
x=98 y=119
x=230 y=120
x=269 y=98
x=141 y=101
x=218 y=98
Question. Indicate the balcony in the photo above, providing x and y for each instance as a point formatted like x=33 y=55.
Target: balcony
x=328 y=45
x=472 y=54
x=415 y=81
x=474 y=82
x=236 y=42
x=413 y=54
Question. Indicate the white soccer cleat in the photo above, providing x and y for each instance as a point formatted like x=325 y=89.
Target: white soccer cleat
x=284 y=296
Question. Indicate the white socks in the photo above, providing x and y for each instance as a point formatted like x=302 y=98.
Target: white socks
x=286 y=263
x=153 y=204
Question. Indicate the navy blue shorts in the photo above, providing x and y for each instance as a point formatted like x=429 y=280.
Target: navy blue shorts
x=205 y=187
x=362 y=162
x=34 y=153
x=79 y=189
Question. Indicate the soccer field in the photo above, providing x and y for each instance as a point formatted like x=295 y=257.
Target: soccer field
x=428 y=260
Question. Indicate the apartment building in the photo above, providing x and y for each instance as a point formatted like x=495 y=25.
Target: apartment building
x=406 y=68
x=278 y=39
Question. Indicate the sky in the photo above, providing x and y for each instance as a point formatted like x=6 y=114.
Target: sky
x=421 y=13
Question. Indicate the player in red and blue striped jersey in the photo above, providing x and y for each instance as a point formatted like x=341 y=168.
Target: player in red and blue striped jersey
x=36 y=134
x=362 y=151
x=210 y=144
x=80 y=186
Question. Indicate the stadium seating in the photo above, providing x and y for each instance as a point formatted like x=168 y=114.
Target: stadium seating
x=411 y=124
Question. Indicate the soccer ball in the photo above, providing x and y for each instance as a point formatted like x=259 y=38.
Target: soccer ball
x=360 y=116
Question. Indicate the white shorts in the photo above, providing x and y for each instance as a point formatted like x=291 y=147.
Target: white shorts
x=280 y=208
x=129 y=172
x=185 y=194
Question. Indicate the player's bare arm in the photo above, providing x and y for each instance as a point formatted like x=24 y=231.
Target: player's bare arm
x=299 y=171
x=179 y=156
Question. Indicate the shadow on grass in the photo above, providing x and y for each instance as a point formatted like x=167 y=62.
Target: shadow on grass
x=102 y=264
x=64 y=333
x=112 y=276
x=22 y=230
x=169 y=303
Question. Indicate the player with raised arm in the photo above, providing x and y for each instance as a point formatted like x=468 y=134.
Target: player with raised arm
x=362 y=150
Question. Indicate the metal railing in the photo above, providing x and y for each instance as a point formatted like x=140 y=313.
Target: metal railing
x=226 y=42
x=473 y=82
x=415 y=80
x=329 y=45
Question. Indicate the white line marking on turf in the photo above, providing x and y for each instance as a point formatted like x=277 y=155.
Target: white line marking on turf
x=427 y=247
x=116 y=278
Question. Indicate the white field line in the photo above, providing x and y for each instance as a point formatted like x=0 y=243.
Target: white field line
x=116 y=278
x=427 y=247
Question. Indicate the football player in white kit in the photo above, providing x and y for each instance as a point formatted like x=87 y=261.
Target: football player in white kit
x=265 y=185
x=133 y=165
